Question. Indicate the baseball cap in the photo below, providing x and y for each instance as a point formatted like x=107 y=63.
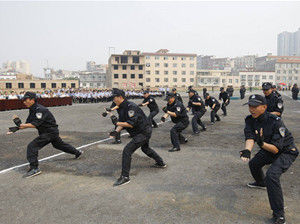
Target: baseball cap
x=266 y=86
x=118 y=92
x=256 y=100
x=191 y=91
x=169 y=95
x=29 y=95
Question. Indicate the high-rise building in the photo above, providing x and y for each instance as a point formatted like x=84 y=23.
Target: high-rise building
x=21 y=66
x=288 y=43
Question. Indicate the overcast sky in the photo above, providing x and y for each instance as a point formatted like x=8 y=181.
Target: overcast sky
x=68 y=34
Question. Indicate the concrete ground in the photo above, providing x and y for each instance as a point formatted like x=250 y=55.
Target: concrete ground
x=204 y=183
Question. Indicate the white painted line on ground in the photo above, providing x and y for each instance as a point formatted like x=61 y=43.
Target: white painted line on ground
x=59 y=154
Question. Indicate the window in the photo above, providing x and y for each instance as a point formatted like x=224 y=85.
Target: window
x=270 y=76
x=166 y=80
x=174 y=79
x=183 y=58
x=230 y=80
x=183 y=79
x=156 y=57
x=140 y=76
x=124 y=76
x=174 y=65
x=53 y=85
x=165 y=58
x=191 y=65
x=174 y=72
x=21 y=85
x=124 y=67
x=191 y=79
x=148 y=79
x=147 y=64
x=141 y=84
x=132 y=76
x=140 y=67
x=183 y=65
x=236 y=81
x=116 y=76
x=192 y=72
x=175 y=58
x=147 y=57
x=63 y=85
x=156 y=64
x=8 y=85
x=191 y=58
x=166 y=65
x=116 y=67
x=124 y=59
x=148 y=72
x=136 y=59
x=166 y=72
x=32 y=85
x=278 y=71
x=223 y=80
x=156 y=79
x=183 y=72
x=73 y=85
x=117 y=59
x=132 y=67
x=156 y=72
x=263 y=76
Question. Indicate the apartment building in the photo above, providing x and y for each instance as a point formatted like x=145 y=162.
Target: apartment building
x=164 y=69
x=126 y=70
x=218 y=78
x=287 y=71
x=256 y=79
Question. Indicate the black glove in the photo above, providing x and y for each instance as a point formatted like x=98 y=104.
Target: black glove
x=165 y=109
x=259 y=138
x=13 y=129
x=163 y=119
x=140 y=105
x=104 y=114
x=113 y=133
x=108 y=109
x=17 y=121
x=245 y=153
x=114 y=119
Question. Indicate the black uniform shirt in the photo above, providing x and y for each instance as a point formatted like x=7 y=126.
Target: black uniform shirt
x=152 y=104
x=196 y=99
x=42 y=119
x=211 y=101
x=275 y=103
x=224 y=96
x=132 y=114
x=274 y=131
x=180 y=111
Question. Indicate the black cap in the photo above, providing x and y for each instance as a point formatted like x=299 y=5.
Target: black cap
x=206 y=95
x=266 y=86
x=174 y=89
x=118 y=92
x=29 y=95
x=274 y=86
x=256 y=100
x=222 y=88
x=146 y=91
x=170 y=95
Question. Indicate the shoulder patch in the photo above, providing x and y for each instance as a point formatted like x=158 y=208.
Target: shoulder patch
x=178 y=109
x=131 y=113
x=213 y=100
x=279 y=105
x=38 y=115
x=150 y=100
x=282 y=131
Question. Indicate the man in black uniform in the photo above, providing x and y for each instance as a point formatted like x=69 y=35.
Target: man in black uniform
x=295 y=92
x=277 y=148
x=178 y=114
x=242 y=92
x=197 y=106
x=230 y=91
x=204 y=92
x=214 y=105
x=43 y=120
x=226 y=100
x=149 y=101
x=133 y=119
x=177 y=95
x=275 y=103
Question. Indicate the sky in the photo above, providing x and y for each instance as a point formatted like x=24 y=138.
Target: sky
x=65 y=35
